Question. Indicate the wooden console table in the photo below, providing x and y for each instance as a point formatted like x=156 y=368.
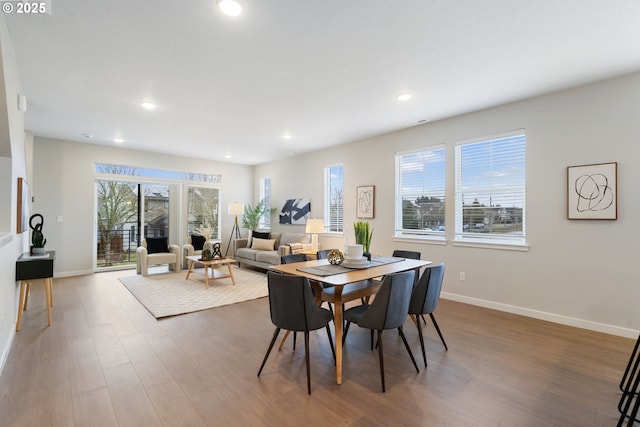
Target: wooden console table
x=30 y=268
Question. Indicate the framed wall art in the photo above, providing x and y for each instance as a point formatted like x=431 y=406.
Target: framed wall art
x=295 y=211
x=592 y=191
x=365 y=201
x=23 y=206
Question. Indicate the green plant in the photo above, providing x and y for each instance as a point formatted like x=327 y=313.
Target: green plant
x=363 y=234
x=251 y=217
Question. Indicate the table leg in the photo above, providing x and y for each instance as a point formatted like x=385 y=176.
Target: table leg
x=191 y=262
x=51 y=284
x=47 y=290
x=23 y=288
x=337 y=321
x=206 y=274
x=27 y=291
x=233 y=280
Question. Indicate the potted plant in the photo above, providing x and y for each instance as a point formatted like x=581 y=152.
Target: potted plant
x=37 y=238
x=252 y=215
x=363 y=234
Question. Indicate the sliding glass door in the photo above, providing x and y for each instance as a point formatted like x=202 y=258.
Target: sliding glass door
x=117 y=219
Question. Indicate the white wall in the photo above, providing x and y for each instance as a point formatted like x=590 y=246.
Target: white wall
x=13 y=164
x=583 y=273
x=64 y=176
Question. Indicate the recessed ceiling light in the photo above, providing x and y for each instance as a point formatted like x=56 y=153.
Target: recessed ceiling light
x=148 y=105
x=404 y=97
x=227 y=156
x=118 y=140
x=286 y=136
x=87 y=135
x=230 y=7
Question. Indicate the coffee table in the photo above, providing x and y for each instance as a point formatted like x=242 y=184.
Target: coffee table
x=210 y=265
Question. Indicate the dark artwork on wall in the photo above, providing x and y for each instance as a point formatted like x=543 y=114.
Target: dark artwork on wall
x=295 y=211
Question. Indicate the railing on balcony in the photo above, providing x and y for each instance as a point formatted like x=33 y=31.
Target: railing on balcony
x=119 y=250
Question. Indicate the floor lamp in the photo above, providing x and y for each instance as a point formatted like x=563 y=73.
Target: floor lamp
x=234 y=208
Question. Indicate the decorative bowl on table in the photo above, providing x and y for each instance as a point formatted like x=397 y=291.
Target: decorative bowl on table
x=335 y=257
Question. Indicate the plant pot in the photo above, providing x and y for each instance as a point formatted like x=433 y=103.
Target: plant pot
x=38 y=251
x=367 y=255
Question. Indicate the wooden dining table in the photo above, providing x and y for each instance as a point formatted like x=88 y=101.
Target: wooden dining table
x=343 y=278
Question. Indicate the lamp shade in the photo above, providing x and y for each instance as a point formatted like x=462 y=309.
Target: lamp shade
x=235 y=208
x=315 y=226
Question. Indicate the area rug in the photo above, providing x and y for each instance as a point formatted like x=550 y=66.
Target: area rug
x=171 y=294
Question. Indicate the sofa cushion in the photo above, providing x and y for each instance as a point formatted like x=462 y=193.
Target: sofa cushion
x=262 y=244
x=261 y=234
x=157 y=244
x=197 y=242
x=246 y=253
x=269 y=257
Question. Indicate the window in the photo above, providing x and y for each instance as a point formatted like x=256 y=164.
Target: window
x=420 y=194
x=333 y=197
x=265 y=194
x=490 y=190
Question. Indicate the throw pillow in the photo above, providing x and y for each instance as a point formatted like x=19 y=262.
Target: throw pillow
x=197 y=242
x=261 y=234
x=157 y=244
x=263 y=244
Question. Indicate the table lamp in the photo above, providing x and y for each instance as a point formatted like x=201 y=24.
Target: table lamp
x=314 y=226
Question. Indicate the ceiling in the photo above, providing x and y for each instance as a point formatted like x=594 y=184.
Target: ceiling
x=326 y=72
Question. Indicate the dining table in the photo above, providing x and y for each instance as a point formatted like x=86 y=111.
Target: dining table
x=321 y=271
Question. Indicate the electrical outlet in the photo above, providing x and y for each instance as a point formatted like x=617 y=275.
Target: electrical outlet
x=463 y=276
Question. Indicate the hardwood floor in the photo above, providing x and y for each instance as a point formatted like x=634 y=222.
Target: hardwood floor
x=106 y=361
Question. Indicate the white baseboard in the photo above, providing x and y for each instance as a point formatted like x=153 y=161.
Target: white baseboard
x=72 y=273
x=542 y=315
x=7 y=349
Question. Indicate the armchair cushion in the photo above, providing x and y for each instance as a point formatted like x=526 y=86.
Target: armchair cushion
x=198 y=242
x=157 y=244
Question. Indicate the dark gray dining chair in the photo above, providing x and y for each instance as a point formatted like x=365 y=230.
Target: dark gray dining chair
x=401 y=253
x=424 y=300
x=290 y=259
x=389 y=310
x=293 y=308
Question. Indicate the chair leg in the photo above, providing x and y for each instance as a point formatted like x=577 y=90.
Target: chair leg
x=381 y=359
x=284 y=338
x=371 y=339
x=406 y=344
x=295 y=335
x=331 y=342
x=344 y=333
x=266 y=356
x=306 y=359
x=419 y=326
x=433 y=319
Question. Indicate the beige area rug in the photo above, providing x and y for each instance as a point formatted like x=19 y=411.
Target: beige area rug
x=171 y=294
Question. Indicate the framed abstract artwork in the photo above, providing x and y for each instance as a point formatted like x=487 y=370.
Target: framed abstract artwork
x=23 y=206
x=365 y=200
x=592 y=191
x=295 y=211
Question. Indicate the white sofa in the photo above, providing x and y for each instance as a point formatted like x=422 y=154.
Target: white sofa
x=153 y=253
x=246 y=252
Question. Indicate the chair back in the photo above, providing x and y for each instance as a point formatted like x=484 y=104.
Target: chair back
x=425 y=296
x=400 y=253
x=292 y=305
x=323 y=254
x=390 y=306
x=291 y=258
